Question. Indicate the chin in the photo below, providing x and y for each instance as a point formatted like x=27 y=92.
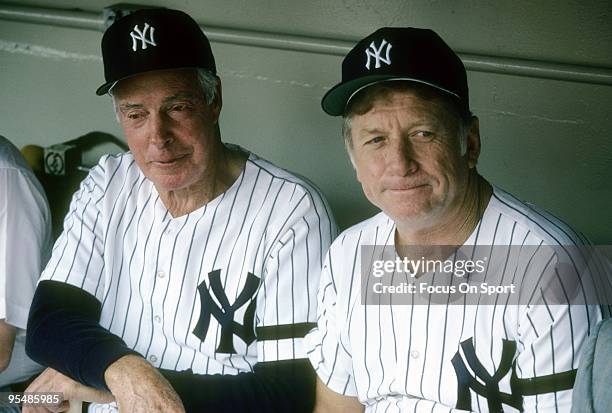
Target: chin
x=169 y=183
x=407 y=210
x=405 y=215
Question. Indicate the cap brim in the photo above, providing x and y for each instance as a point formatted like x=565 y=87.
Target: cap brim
x=105 y=88
x=335 y=100
x=102 y=90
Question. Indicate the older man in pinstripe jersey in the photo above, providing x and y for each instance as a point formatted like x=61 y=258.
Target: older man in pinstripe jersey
x=414 y=145
x=186 y=275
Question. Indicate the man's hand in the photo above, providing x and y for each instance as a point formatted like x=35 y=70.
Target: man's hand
x=139 y=388
x=328 y=401
x=7 y=340
x=52 y=381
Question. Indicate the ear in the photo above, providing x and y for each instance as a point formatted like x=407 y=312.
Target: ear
x=473 y=143
x=349 y=151
x=217 y=103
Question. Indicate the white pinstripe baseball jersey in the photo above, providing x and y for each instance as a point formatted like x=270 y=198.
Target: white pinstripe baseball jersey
x=440 y=357
x=215 y=291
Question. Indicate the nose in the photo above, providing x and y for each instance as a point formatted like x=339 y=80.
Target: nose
x=160 y=133
x=401 y=160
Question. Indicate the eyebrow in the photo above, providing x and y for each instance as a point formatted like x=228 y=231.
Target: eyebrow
x=127 y=106
x=180 y=95
x=372 y=131
x=166 y=100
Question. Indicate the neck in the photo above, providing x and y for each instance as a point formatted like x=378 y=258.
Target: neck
x=457 y=226
x=224 y=169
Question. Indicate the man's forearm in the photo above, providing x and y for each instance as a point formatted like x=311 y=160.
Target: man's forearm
x=64 y=333
x=272 y=387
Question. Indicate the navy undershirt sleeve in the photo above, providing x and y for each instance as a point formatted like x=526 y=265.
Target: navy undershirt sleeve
x=64 y=333
x=279 y=386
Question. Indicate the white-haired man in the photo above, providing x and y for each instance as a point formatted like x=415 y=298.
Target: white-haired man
x=186 y=275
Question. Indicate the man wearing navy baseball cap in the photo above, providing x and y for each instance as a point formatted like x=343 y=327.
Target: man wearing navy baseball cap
x=179 y=284
x=413 y=337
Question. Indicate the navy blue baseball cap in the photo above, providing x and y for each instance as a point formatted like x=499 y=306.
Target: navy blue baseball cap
x=393 y=53
x=153 y=39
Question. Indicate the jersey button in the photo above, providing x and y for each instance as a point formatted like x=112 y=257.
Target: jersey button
x=152 y=358
x=415 y=354
x=161 y=274
x=157 y=319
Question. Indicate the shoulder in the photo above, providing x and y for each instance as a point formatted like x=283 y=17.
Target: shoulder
x=291 y=179
x=11 y=158
x=540 y=224
x=290 y=185
x=16 y=170
x=120 y=163
x=343 y=261
x=377 y=230
x=112 y=171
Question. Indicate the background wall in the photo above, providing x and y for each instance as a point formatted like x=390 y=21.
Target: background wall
x=540 y=80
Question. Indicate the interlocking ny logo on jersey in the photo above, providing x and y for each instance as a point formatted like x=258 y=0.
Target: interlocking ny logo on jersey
x=483 y=383
x=141 y=35
x=375 y=53
x=486 y=384
x=225 y=314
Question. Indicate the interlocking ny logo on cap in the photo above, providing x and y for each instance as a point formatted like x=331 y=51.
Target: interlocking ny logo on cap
x=141 y=35
x=373 y=53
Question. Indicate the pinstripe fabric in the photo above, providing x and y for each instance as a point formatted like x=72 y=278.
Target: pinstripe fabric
x=399 y=358
x=121 y=245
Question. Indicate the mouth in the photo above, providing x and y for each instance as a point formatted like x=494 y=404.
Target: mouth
x=168 y=161
x=407 y=188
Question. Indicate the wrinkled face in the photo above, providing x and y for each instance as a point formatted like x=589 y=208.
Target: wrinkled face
x=169 y=127
x=406 y=152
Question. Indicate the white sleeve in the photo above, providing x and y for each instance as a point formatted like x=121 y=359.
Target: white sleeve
x=552 y=337
x=25 y=240
x=327 y=345
x=286 y=302
x=78 y=254
x=552 y=330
